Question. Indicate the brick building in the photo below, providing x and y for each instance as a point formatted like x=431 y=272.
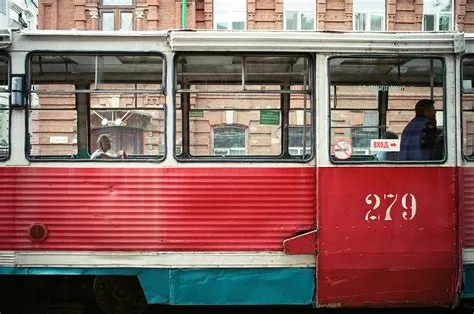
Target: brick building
x=347 y=15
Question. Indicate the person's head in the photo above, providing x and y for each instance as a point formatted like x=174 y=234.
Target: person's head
x=425 y=108
x=103 y=142
x=389 y=135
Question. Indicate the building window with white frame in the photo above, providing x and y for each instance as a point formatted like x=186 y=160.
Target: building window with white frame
x=228 y=141
x=438 y=15
x=369 y=15
x=230 y=14
x=299 y=15
x=297 y=135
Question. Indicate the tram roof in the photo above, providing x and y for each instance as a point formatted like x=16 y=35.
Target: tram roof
x=284 y=41
x=242 y=41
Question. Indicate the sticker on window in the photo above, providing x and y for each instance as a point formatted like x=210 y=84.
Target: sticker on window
x=342 y=149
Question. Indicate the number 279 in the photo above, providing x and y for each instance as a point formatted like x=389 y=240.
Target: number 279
x=408 y=202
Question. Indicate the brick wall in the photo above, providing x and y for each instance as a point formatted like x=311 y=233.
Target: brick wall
x=401 y=15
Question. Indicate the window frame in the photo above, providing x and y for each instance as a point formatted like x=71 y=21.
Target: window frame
x=28 y=75
x=465 y=56
x=334 y=161
x=298 y=18
x=229 y=20
x=247 y=159
x=369 y=14
x=436 y=16
x=9 y=109
x=117 y=10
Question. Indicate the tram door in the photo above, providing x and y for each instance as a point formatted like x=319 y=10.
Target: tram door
x=466 y=171
x=387 y=214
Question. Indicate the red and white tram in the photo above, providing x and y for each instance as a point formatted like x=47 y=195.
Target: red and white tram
x=255 y=170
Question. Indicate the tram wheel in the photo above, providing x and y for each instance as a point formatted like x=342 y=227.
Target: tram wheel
x=119 y=295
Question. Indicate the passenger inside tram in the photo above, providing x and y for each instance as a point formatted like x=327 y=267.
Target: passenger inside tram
x=103 y=150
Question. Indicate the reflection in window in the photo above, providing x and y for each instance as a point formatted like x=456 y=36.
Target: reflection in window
x=437 y=15
x=230 y=14
x=299 y=15
x=228 y=141
x=369 y=15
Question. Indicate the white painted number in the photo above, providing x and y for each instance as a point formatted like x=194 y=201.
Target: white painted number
x=408 y=202
x=411 y=206
x=372 y=199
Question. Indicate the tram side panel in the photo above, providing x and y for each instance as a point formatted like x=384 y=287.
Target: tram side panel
x=388 y=220
x=390 y=240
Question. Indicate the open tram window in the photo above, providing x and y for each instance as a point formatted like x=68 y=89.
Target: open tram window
x=4 y=107
x=373 y=115
x=243 y=107
x=75 y=98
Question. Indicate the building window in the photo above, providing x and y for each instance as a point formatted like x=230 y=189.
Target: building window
x=117 y=15
x=437 y=15
x=296 y=138
x=361 y=137
x=299 y=15
x=230 y=14
x=369 y=15
x=228 y=141
x=3 y=6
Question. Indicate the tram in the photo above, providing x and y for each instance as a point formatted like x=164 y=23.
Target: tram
x=255 y=173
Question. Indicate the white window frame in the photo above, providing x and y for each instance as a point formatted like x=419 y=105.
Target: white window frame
x=231 y=151
x=369 y=14
x=436 y=16
x=298 y=150
x=298 y=16
x=228 y=12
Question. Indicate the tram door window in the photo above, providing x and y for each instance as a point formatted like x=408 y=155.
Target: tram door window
x=4 y=107
x=76 y=98
x=468 y=107
x=243 y=106
x=372 y=102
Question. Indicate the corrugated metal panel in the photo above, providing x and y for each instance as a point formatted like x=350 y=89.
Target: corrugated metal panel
x=173 y=209
x=468 y=206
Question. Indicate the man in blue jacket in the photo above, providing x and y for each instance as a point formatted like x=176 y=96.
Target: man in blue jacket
x=419 y=136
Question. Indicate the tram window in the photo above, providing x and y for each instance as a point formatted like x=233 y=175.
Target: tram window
x=4 y=107
x=468 y=107
x=73 y=99
x=243 y=106
x=372 y=102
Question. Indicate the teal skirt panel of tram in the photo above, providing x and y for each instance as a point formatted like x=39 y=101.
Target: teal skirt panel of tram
x=468 y=281
x=228 y=286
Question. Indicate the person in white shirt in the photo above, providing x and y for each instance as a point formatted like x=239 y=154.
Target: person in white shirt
x=103 y=150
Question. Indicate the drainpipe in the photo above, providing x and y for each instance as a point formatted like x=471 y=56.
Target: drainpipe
x=183 y=14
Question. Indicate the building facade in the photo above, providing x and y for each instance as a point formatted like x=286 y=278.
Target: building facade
x=336 y=15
